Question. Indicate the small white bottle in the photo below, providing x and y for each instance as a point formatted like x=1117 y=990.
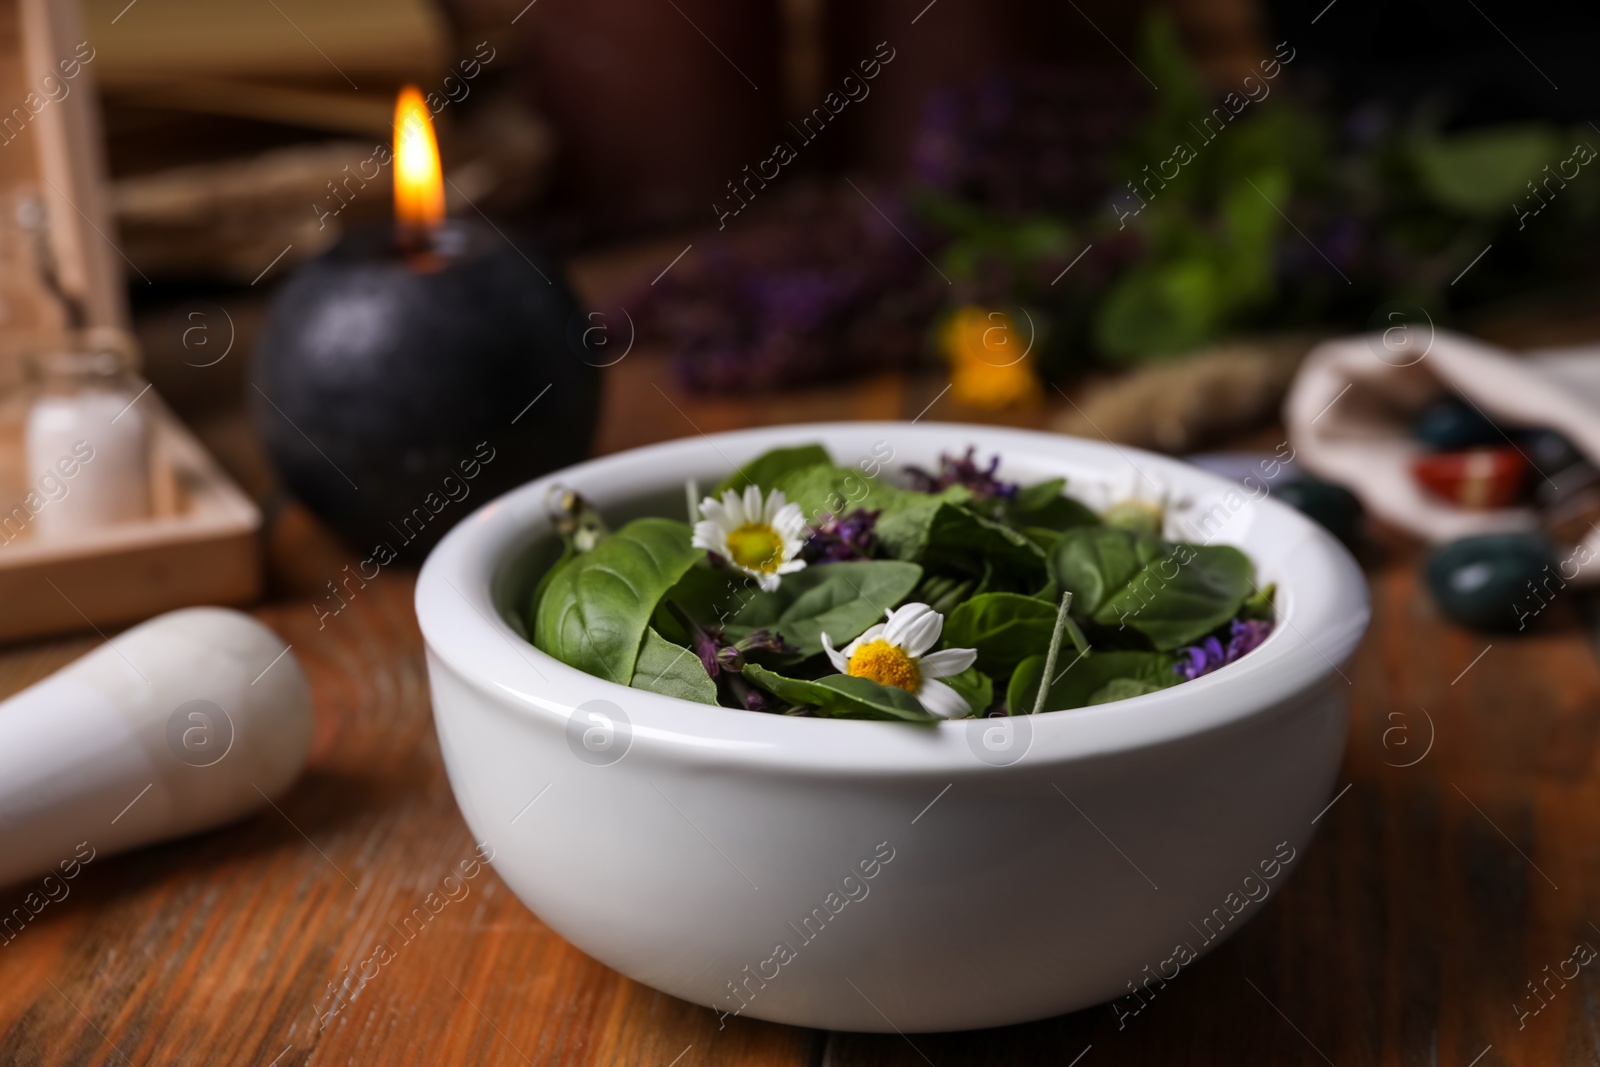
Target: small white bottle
x=87 y=441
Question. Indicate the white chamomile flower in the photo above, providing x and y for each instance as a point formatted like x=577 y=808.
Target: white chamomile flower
x=1138 y=500
x=896 y=653
x=759 y=537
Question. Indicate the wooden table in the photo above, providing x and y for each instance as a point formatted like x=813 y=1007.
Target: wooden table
x=1462 y=857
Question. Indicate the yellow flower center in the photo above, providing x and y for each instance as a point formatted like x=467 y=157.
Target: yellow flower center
x=886 y=665
x=757 y=547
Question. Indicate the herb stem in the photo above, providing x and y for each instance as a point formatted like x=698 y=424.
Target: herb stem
x=691 y=493
x=1055 y=649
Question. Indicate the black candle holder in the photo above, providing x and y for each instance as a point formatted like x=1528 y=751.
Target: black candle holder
x=399 y=375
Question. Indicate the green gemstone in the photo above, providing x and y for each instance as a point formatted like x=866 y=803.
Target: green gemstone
x=1494 y=581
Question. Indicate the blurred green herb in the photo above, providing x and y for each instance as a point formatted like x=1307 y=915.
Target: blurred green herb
x=1237 y=211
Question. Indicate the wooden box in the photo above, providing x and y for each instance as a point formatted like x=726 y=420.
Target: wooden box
x=200 y=544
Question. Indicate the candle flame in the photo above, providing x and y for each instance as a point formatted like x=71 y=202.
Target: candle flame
x=418 y=178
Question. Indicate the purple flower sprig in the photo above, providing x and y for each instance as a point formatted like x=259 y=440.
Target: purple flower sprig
x=981 y=481
x=842 y=538
x=723 y=657
x=1244 y=635
x=724 y=660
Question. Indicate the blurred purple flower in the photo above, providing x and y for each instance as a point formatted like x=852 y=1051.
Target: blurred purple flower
x=841 y=538
x=964 y=471
x=811 y=287
x=1244 y=635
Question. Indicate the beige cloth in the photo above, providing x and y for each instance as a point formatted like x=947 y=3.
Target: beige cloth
x=1350 y=410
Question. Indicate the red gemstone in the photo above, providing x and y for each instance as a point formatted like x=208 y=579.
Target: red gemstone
x=1477 y=478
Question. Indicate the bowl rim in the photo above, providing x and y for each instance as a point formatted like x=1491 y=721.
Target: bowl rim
x=1323 y=608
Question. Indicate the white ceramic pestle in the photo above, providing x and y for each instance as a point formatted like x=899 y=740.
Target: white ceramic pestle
x=180 y=724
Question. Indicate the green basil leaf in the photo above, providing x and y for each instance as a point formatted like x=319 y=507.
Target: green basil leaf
x=975 y=687
x=1258 y=605
x=1033 y=497
x=1093 y=562
x=839 y=599
x=959 y=540
x=1172 y=594
x=799 y=692
x=672 y=670
x=840 y=696
x=903 y=531
x=1005 y=628
x=826 y=488
x=594 y=612
x=864 y=698
x=1122 y=689
x=1044 y=537
x=1062 y=513
x=711 y=596
x=766 y=469
x=1082 y=679
x=1044 y=505
x=1182 y=595
x=568 y=551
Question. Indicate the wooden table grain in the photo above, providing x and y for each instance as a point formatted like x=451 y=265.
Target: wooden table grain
x=1459 y=857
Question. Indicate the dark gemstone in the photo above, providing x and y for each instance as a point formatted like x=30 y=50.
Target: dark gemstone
x=1559 y=485
x=1549 y=451
x=1452 y=423
x=1334 y=506
x=1493 y=581
x=395 y=394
